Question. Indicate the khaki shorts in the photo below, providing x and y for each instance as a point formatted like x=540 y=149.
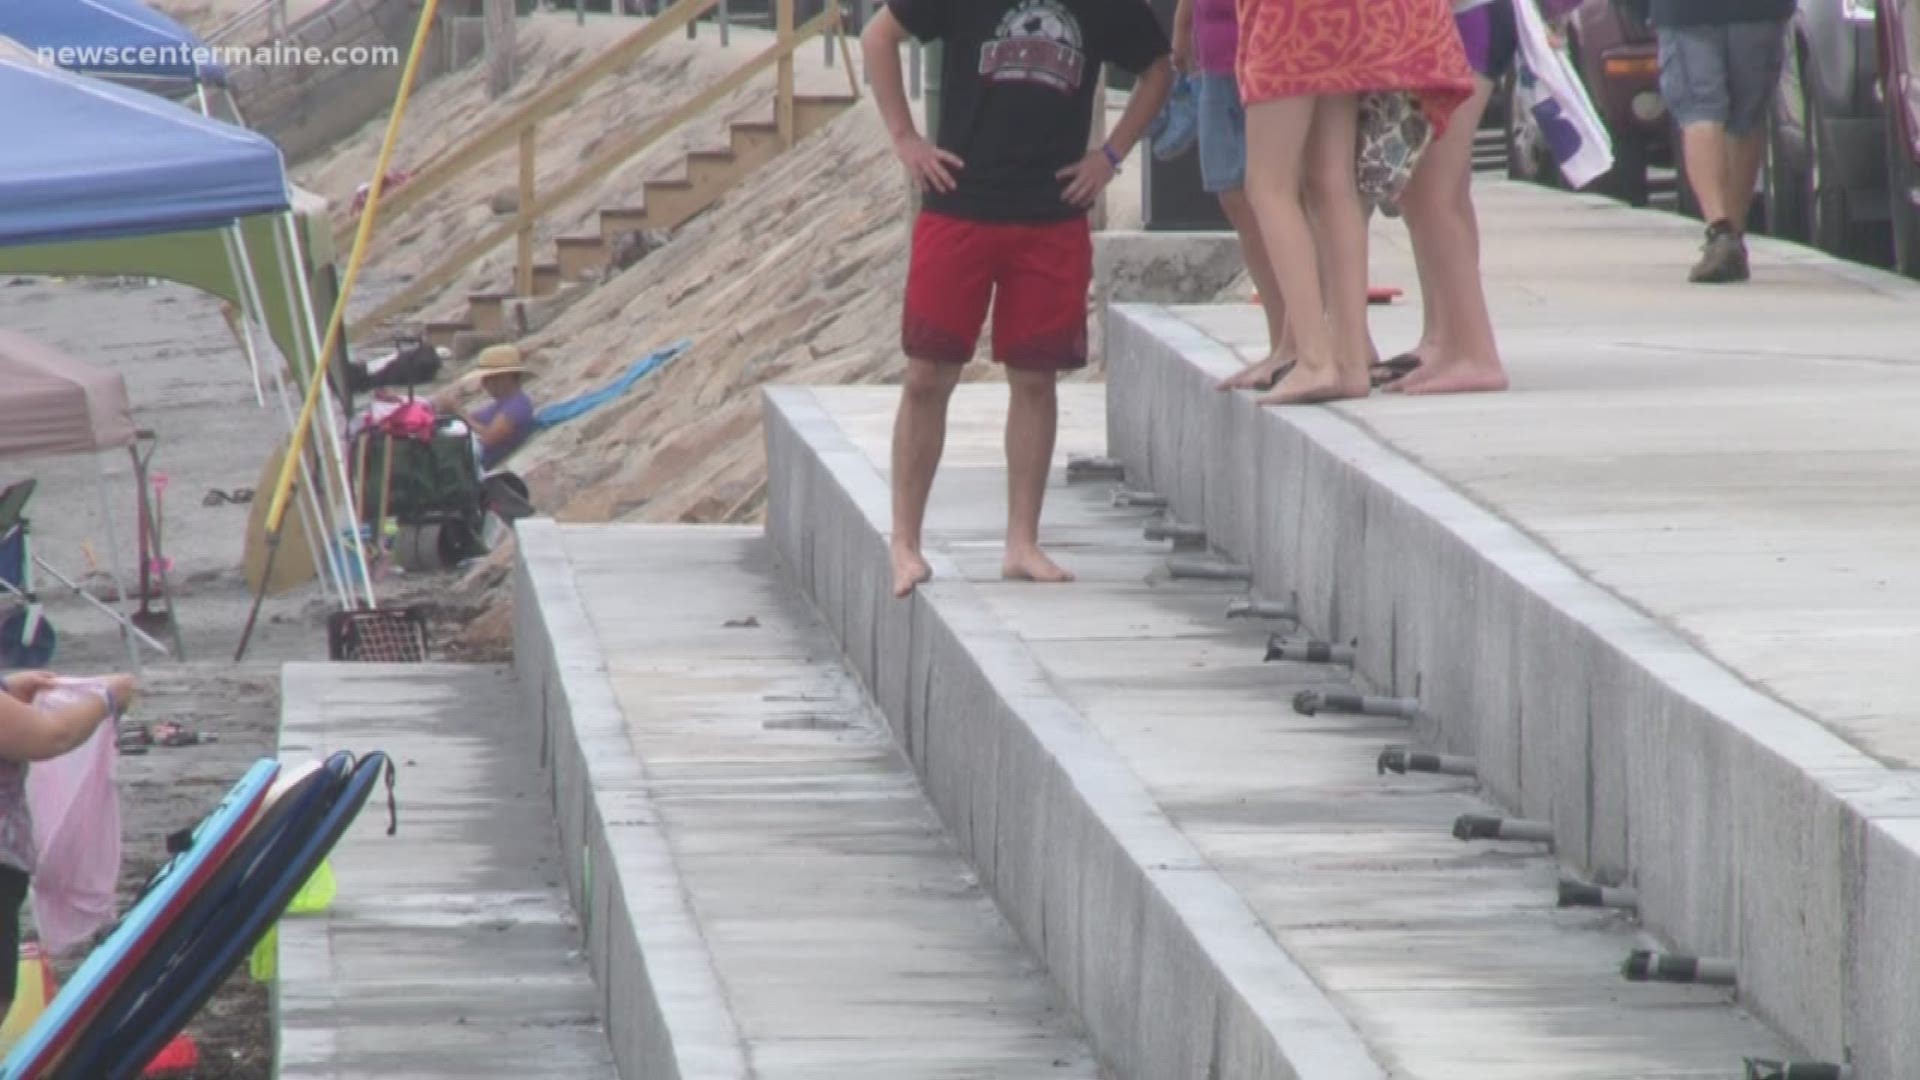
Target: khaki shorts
x=1722 y=74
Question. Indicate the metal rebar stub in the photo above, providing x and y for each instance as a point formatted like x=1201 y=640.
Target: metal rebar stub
x=1763 y=1069
x=1206 y=568
x=1486 y=827
x=1182 y=534
x=1581 y=894
x=1308 y=652
x=1140 y=500
x=1310 y=702
x=1645 y=965
x=1401 y=760
x=1250 y=607
x=1084 y=467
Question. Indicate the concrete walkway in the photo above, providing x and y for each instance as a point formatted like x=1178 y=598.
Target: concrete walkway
x=1447 y=960
x=450 y=952
x=844 y=936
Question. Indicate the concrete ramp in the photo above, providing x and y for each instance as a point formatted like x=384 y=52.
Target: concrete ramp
x=767 y=891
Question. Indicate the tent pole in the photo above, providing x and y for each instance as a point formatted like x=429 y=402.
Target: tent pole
x=323 y=554
x=113 y=558
x=322 y=371
x=230 y=238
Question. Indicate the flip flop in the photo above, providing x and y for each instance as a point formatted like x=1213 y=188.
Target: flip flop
x=169 y=733
x=1382 y=294
x=1387 y=372
x=1270 y=381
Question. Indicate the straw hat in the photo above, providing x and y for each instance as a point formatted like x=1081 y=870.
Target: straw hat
x=497 y=360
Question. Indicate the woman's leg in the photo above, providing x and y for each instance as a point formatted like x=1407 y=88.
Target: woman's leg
x=1277 y=140
x=1438 y=203
x=1340 y=241
x=1260 y=268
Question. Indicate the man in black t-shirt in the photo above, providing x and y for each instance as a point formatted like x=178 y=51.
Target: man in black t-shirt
x=1720 y=63
x=1003 y=221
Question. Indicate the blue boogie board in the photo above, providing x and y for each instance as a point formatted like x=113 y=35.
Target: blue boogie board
x=167 y=896
x=295 y=801
x=259 y=901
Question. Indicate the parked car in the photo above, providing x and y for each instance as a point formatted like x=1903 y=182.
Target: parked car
x=1899 y=57
x=1619 y=63
x=1825 y=180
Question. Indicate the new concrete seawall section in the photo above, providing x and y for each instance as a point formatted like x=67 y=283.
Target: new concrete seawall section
x=1750 y=831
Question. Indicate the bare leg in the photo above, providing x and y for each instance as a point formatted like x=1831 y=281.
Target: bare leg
x=1340 y=235
x=1253 y=249
x=1033 y=415
x=1704 y=146
x=919 y=436
x=1446 y=246
x=1277 y=136
x=1744 y=155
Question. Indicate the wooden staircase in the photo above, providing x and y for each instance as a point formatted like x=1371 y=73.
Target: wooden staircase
x=707 y=176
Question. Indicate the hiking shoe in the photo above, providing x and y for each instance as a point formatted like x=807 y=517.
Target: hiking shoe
x=1723 y=258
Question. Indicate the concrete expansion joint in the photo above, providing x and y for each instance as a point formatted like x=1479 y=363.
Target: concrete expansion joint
x=1315 y=702
x=1401 y=760
x=1469 y=827
x=1646 y=965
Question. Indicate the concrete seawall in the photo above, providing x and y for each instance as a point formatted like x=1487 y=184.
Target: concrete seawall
x=1750 y=831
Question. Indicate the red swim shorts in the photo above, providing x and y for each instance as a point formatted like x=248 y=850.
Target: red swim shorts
x=1036 y=276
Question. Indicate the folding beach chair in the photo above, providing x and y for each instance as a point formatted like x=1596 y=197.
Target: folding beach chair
x=27 y=639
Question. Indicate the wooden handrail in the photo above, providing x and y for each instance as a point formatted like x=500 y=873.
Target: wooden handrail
x=444 y=168
x=602 y=163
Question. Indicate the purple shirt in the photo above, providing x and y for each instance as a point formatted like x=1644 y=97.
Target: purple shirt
x=1216 y=35
x=518 y=410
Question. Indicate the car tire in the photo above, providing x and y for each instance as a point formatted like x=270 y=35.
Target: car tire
x=1627 y=180
x=1830 y=218
x=1784 y=187
x=1902 y=177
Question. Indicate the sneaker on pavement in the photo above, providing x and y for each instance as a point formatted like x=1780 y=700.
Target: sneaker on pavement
x=1723 y=258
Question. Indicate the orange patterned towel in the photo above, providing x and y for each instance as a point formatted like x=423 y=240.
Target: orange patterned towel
x=1308 y=48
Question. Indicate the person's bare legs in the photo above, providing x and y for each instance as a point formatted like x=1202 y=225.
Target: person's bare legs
x=1744 y=155
x=1277 y=137
x=1703 y=146
x=919 y=437
x=1254 y=251
x=1339 y=231
x=1446 y=247
x=1033 y=416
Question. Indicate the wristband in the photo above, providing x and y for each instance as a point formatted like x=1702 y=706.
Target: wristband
x=1113 y=158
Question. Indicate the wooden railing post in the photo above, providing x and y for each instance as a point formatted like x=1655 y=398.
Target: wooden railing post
x=523 y=260
x=783 y=104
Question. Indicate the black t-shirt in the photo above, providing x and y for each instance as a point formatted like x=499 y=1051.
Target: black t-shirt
x=1679 y=14
x=1017 y=80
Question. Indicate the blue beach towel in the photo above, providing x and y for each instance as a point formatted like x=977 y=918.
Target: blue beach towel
x=572 y=409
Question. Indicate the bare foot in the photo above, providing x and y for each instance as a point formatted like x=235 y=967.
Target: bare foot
x=1260 y=376
x=909 y=570
x=1444 y=376
x=1306 y=386
x=1032 y=564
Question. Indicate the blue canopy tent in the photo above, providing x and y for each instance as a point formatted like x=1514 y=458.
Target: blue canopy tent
x=105 y=180
x=114 y=38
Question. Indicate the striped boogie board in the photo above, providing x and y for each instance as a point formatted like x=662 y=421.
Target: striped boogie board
x=165 y=900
